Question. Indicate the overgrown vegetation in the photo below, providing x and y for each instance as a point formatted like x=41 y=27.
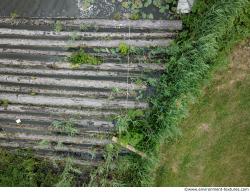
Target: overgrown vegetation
x=123 y=123
x=213 y=29
x=80 y=57
x=66 y=179
x=99 y=175
x=212 y=150
x=22 y=169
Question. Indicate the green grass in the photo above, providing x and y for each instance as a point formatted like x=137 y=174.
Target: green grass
x=214 y=148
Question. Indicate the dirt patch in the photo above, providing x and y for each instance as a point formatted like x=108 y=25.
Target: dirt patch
x=239 y=68
x=204 y=127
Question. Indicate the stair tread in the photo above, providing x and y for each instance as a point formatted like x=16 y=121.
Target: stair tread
x=167 y=25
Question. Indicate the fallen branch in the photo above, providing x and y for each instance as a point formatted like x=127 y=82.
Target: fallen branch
x=129 y=147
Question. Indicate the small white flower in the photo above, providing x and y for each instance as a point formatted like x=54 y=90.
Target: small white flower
x=18 y=121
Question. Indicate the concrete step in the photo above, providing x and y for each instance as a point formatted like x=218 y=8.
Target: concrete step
x=56 y=81
x=85 y=43
x=81 y=155
x=59 y=111
x=72 y=102
x=52 y=90
x=39 y=135
x=86 y=124
x=92 y=24
x=39 y=86
x=50 y=156
x=137 y=67
x=68 y=74
x=65 y=35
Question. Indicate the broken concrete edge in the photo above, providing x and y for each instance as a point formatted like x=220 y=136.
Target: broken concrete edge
x=184 y=6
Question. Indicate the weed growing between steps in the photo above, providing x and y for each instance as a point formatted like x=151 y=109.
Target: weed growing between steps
x=4 y=103
x=124 y=49
x=79 y=58
x=212 y=30
x=58 y=26
x=65 y=127
x=13 y=15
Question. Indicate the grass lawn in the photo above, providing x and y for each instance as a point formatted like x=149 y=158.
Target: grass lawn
x=214 y=149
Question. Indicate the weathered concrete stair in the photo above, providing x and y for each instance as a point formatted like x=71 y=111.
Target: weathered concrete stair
x=41 y=86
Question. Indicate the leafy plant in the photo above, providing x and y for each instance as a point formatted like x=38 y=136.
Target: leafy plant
x=80 y=57
x=124 y=49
